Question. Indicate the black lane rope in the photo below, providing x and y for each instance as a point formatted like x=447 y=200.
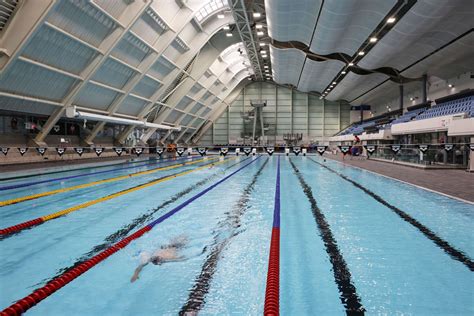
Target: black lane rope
x=136 y=222
x=440 y=242
x=197 y=295
x=348 y=293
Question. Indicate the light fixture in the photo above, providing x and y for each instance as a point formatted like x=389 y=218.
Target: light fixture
x=71 y=112
x=351 y=64
x=228 y=34
x=334 y=82
x=259 y=26
x=450 y=85
x=266 y=66
x=411 y=99
x=260 y=33
x=226 y=27
x=248 y=78
x=391 y=20
x=263 y=52
x=220 y=16
x=343 y=73
x=361 y=53
x=373 y=39
x=262 y=44
x=257 y=14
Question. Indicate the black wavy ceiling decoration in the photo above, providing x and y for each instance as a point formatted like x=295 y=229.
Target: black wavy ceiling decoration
x=393 y=74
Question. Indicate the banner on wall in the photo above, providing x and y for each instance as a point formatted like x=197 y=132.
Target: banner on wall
x=118 y=151
x=344 y=149
x=224 y=151
x=448 y=147
x=321 y=149
x=138 y=151
x=79 y=151
x=5 y=150
x=296 y=150
x=395 y=148
x=23 y=150
x=423 y=148
x=41 y=150
x=202 y=151
x=370 y=148
x=159 y=151
x=180 y=151
x=98 y=151
x=60 y=151
x=247 y=151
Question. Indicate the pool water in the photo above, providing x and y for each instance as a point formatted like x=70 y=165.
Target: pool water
x=351 y=241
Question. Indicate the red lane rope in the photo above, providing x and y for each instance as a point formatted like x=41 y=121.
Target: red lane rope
x=272 y=291
x=40 y=294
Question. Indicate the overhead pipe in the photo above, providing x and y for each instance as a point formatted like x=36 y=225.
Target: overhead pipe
x=72 y=112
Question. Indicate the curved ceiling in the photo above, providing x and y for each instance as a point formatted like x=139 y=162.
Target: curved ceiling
x=433 y=37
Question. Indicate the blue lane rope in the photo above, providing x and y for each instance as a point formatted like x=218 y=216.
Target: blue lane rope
x=185 y=203
x=27 y=184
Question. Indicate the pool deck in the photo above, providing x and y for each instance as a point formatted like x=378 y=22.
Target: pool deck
x=453 y=182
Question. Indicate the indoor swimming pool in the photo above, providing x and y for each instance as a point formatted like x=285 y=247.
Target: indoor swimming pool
x=351 y=241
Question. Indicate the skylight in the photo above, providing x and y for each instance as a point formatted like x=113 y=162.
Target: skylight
x=210 y=8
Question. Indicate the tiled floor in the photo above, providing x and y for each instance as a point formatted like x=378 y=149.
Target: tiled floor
x=454 y=182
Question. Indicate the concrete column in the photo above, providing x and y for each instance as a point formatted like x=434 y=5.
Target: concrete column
x=424 y=88
x=401 y=97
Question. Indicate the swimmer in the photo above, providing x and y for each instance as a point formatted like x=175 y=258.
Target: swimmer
x=166 y=253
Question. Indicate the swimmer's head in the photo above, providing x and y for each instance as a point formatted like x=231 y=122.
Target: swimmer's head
x=156 y=260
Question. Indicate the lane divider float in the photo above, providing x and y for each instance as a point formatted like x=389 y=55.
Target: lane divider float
x=57 y=283
x=272 y=291
x=42 y=219
x=27 y=184
x=86 y=185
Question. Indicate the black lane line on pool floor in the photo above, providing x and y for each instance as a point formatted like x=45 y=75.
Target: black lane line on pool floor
x=202 y=283
x=443 y=244
x=136 y=222
x=348 y=292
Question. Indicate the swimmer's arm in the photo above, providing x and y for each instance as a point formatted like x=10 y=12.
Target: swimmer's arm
x=136 y=274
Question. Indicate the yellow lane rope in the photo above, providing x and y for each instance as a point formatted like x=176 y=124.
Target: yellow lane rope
x=109 y=197
x=86 y=185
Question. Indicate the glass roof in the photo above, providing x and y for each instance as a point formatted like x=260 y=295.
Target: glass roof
x=209 y=8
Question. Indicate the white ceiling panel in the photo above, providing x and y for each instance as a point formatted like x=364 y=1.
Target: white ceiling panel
x=292 y=20
x=425 y=28
x=344 y=25
x=287 y=65
x=317 y=75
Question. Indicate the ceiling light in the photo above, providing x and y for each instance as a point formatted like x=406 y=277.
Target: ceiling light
x=343 y=72
x=351 y=64
x=220 y=16
x=257 y=14
x=249 y=78
x=411 y=99
x=391 y=20
x=263 y=52
x=373 y=39
x=259 y=26
x=228 y=34
x=226 y=27
x=262 y=44
x=450 y=85
x=266 y=66
x=260 y=33
x=334 y=82
x=361 y=53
